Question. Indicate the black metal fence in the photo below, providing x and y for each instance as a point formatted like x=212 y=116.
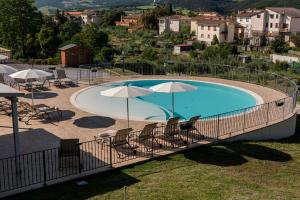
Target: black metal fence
x=42 y=167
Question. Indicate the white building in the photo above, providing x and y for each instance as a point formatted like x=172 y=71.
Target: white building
x=89 y=16
x=207 y=29
x=262 y=26
x=248 y=20
x=204 y=16
x=173 y=23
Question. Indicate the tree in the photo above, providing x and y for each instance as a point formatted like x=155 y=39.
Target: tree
x=18 y=19
x=48 y=41
x=111 y=17
x=296 y=40
x=149 y=54
x=215 y=40
x=106 y=54
x=150 y=18
x=278 y=45
x=68 y=30
x=92 y=37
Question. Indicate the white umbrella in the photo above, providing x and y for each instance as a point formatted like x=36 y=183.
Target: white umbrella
x=5 y=69
x=30 y=74
x=172 y=87
x=126 y=92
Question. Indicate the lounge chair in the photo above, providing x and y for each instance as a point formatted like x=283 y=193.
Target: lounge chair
x=5 y=106
x=69 y=149
x=61 y=76
x=190 y=126
x=52 y=79
x=171 y=132
x=148 y=134
x=41 y=111
x=120 y=142
x=22 y=83
x=2 y=80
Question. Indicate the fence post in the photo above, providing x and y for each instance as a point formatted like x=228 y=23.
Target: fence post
x=268 y=107
x=79 y=161
x=152 y=143
x=44 y=168
x=187 y=139
x=110 y=153
x=218 y=127
x=283 y=108
x=244 y=123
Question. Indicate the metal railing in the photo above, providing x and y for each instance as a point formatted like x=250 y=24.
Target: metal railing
x=42 y=167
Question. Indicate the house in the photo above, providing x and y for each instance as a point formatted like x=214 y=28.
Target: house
x=204 y=16
x=74 y=55
x=262 y=26
x=132 y=21
x=5 y=55
x=179 y=48
x=173 y=23
x=207 y=29
x=283 y=22
x=87 y=16
x=248 y=20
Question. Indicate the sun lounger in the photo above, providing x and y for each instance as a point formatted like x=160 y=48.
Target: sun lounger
x=190 y=126
x=61 y=76
x=22 y=83
x=41 y=111
x=171 y=132
x=148 y=134
x=120 y=142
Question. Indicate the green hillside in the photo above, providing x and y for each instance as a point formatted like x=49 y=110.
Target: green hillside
x=222 y=6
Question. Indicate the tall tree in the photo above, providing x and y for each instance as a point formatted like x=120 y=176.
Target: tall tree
x=19 y=19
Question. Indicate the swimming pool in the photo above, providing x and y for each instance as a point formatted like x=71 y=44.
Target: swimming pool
x=208 y=100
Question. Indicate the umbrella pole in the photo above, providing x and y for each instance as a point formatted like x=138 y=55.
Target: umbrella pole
x=127 y=101
x=32 y=94
x=173 y=104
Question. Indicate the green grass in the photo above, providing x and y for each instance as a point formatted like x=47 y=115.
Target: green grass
x=244 y=170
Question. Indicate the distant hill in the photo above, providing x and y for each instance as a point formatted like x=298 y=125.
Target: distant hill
x=222 y=6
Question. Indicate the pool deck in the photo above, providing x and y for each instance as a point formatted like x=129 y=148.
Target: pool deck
x=79 y=124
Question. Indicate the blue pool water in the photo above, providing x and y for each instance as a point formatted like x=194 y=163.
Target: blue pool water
x=209 y=99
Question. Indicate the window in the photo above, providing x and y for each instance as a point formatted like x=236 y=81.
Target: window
x=276 y=25
x=208 y=28
x=215 y=28
x=162 y=21
x=241 y=19
x=277 y=16
x=202 y=36
x=267 y=24
x=258 y=16
x=272 y=16
x=208 y=36
x=247 y=19
x=202 y=27
x=271 y=25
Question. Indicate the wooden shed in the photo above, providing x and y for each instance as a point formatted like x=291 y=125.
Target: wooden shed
x=73 y=55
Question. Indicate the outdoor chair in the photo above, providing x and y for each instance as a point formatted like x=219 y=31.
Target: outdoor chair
x=120 y=142
x=41 y=111
x=69 y=153
x=2 y=80
x=60 y=75
x=22 y=83
x=190 y=126
x=52 y=79
x=148 y=134
x=171 y=132
x=5 y=106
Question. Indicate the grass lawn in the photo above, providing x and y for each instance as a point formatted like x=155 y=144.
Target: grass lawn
x=244 y=170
